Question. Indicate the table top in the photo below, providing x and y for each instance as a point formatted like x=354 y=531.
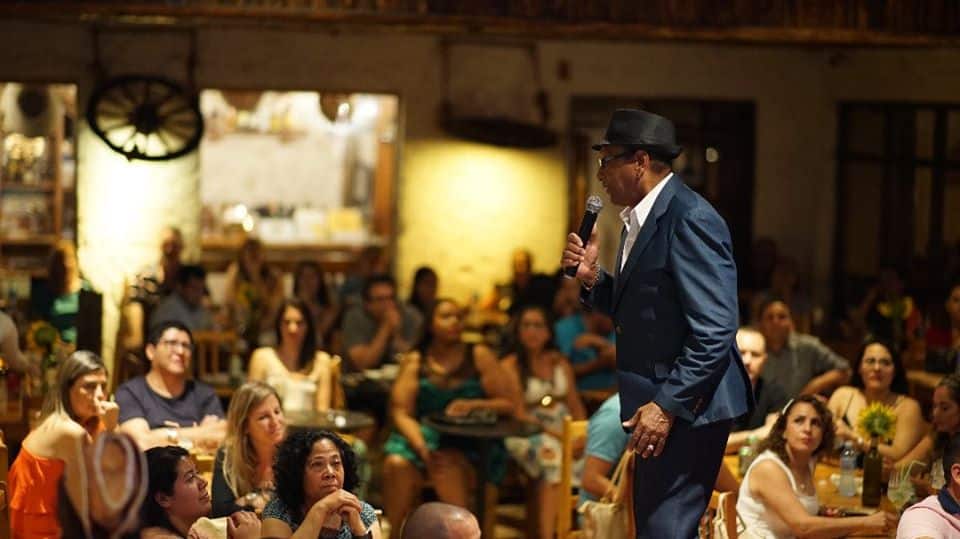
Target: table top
x=334 y=420
x=504 y=427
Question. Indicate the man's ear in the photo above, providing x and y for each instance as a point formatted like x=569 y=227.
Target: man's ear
x=150 y=349
x=955 y=473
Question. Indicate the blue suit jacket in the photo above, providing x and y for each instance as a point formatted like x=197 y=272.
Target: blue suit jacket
x=675 y=309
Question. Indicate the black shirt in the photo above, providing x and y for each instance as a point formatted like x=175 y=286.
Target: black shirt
x=770 y=397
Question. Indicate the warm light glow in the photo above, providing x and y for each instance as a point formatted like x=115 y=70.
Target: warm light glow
x=465 y=207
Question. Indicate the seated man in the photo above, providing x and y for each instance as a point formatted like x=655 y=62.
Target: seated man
x=380 y=328
x=937 y=516
x=768 y=394
x=185 y=304
x=167 y=406
x=440 y=521
x=588 y=340
x=800 y=363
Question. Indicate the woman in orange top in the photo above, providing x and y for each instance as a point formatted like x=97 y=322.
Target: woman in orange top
x=73 y=414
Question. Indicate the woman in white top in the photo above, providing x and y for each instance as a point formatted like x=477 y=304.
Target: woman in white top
x=778 y=499
x=549 y=390
x=295 y=367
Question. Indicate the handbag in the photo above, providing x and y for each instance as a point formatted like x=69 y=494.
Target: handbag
x=611 y=517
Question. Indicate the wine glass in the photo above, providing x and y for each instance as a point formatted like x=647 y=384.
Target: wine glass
x=899 y=488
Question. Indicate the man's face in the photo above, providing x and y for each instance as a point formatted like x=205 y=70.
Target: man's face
x=192 y=292
x=754 y=353
x=171 y=245
x=172 y=353
x=618 y=174
x=775 y=322
x=380 y=299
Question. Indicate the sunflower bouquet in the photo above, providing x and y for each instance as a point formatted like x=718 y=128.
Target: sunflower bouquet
x=877 y=422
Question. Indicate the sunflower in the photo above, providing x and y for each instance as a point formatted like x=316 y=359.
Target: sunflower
x=877 y=421
x=42 y=336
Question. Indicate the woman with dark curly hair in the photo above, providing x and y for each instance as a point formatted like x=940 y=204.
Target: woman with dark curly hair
x=878 y=376
x=315 y=473
x=778 y=499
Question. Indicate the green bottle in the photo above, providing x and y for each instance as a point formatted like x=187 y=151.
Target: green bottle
x=872 y=475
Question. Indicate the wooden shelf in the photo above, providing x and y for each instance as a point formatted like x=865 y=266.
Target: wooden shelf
x=26 y=189
x=41 y=239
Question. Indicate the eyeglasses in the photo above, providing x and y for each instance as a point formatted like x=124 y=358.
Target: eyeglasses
x=173 y=344
x=604 y=161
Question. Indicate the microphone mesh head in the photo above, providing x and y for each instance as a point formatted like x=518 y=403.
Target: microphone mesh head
x=594 y=204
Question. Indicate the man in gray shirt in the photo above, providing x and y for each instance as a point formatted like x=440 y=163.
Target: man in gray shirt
x=379 y=328
x=800 y=363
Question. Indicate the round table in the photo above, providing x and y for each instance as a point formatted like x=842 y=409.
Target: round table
x=485 y=435
x=332 y=420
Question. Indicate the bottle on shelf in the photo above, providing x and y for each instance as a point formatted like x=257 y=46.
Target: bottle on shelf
x=848 y=471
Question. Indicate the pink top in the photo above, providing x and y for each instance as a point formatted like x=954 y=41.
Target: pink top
x=928 y=519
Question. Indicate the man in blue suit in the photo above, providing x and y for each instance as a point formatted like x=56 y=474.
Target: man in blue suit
x=673 y=299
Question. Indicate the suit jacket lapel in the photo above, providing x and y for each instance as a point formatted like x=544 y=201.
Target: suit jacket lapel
x=649 y=228
x=623 y=239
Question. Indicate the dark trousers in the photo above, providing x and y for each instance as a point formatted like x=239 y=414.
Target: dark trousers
x=672 y=491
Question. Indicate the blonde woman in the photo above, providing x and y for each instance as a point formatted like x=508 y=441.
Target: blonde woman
x=242 y=472
x=75 y=412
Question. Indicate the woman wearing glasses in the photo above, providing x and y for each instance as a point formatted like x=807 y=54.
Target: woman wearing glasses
x=878 y=377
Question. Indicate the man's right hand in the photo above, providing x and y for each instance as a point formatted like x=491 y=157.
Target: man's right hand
x=575 y=253
x=392 y=319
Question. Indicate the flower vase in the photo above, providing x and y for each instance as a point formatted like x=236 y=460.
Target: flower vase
x=872 y=475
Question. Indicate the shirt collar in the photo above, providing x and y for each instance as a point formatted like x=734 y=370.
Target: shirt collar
x=947 y=502
x=631 y=214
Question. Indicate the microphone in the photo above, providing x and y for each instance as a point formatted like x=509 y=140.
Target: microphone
x=594 y=205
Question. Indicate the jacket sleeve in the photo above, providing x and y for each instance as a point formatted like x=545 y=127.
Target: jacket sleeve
x=600 y=297
x=706 y=277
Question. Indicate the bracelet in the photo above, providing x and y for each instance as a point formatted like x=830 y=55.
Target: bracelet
x=596 y=277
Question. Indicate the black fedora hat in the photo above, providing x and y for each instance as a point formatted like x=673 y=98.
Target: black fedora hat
x=642 y=129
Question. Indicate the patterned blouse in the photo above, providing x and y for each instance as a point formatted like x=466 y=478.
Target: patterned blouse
x=277 y=509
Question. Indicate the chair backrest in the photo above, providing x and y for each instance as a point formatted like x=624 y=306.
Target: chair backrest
x=4 y=495
x=338 y=399
x=726 y=523
x=567 y=500
x=209 y=348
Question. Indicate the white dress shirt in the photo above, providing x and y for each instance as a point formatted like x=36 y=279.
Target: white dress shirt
x=633 y=218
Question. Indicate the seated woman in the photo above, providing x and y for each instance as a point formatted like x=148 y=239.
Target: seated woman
x=310 y=287
x=549 y=394
x=778 y=498
x=254 y=290
x=299 y=372
x=444 y=376
x=243 y=469
x=946 y=423
x=177 y=502
x=315 y=474
x=878 y=376
x=73 y=413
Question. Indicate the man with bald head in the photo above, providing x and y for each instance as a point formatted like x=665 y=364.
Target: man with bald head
x=441 y=521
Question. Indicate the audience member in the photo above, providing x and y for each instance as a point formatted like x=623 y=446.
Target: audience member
x=243 y=469
x=878 y=377
x=525 y=287
x=58 y=301
x=445 y=376
x=423 y=292
x=167 y=406
x=769 y=397
x=938 y=515
x=784 y=285
x=946 y=423
x=379 y=329
x=310 y=287
x=589 y=341
x=316 y=474
x=73 y=413
x=800 y=363
x=185 y=303
x=887 y=313
x=566 y=302
x=549 y=394
x=177 y=502
x=254 y=292
x=300 y=373
x=438 y=520
x=778 y=497
x=943 y=335
x=10 y=352
x=150 y=285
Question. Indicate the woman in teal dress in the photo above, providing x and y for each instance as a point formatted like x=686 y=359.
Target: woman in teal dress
x=443 y=375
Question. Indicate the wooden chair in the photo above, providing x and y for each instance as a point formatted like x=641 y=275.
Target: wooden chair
x=567 y=500
x=209 y=348
x=728 y=508
x=338 y=399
